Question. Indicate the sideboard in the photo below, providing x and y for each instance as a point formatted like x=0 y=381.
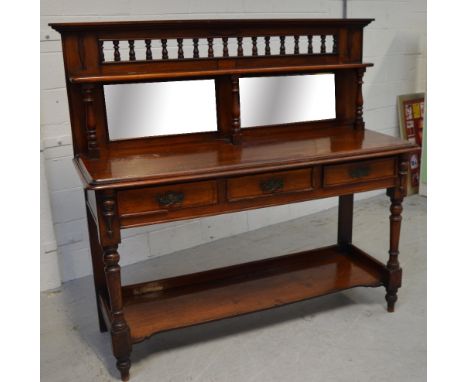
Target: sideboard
x=157 y=179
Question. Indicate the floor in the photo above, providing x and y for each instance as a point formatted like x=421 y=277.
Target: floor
x=346 y=337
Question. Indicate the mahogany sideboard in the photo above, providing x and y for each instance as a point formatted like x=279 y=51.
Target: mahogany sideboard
x=135 y=182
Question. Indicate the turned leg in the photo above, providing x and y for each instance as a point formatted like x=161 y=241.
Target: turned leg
x=120 y=332
x=109 y=238
x=393 y=265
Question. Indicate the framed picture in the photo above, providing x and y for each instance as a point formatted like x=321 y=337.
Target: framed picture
x=411 y=117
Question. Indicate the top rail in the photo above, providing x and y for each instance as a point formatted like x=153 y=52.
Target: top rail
x=212 y=24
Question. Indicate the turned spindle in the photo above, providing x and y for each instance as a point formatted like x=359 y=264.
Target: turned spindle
x=116 y=50
x=359 y=121
x=282 y=45
x=335 y=44
x=235 y=110
x=225 y=47
x=165 y=54
x=210 y=47
x=90 y=121
x=131 y=50
x=196 y=52
x=254 y=46
x=101 y=51
x=240 y=49
x=267 y=46
x=310 y=49
x=323 y=47
x=296 y=44
x=149 y=53
x=180 y=48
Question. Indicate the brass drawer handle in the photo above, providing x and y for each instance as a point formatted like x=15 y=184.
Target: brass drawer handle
x=272 y=185
x=359 y=172
x=170 y=198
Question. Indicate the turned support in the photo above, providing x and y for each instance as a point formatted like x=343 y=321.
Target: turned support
x=120 y=332
x=393 y=265
x=235 y=111
x=359 y=121
x=109 y=236
x=90 y=120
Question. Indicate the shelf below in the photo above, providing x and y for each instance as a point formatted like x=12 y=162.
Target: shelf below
x=187 y=300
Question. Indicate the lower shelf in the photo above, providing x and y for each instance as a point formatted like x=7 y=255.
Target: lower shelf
x=197 y=298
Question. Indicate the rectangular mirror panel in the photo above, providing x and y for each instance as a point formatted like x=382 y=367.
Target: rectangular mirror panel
x=160 y=108
x=286 y=99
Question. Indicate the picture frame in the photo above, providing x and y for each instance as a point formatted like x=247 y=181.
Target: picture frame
x=411 y=111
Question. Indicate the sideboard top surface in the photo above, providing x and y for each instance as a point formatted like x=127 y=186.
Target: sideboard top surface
x=223 y=23
x=152 y=165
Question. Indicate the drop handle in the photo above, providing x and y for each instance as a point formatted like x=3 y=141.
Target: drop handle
x=170 y=198
x=359 y=171
x=272 y=185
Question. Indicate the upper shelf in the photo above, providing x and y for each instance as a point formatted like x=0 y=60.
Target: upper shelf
x=135 y=77
x=106 y=52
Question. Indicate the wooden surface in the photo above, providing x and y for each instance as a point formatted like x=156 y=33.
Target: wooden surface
x=253 y=186
x=174 y=303
x=158 y=198
x=360 y=171
x=83 y=46
x=178 y=26
x=219 y=158
x=215 y=72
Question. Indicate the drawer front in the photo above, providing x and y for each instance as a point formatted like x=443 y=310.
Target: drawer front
x=167 y=198
x=252 y=186
x=341 y=174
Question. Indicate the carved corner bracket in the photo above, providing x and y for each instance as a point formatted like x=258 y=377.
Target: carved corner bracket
x=108 y=212
x=109 y=226
x=108 y=218
x=403 y=175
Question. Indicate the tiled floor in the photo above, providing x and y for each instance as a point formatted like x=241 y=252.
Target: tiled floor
x=345 y=337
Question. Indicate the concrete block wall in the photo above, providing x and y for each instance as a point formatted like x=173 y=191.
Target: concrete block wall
x=50 y=278
x=395 y=42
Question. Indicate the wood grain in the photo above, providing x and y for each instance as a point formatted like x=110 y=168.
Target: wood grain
x=173 y=303
x=124 y=167
x=246 y=187
x=358 y=171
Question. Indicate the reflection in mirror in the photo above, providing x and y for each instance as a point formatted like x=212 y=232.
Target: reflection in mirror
x=286 y=99
x=160 y=108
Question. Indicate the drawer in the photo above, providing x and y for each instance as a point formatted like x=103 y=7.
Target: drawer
x=252 y=186
x=341 y=174
x=167 y=198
